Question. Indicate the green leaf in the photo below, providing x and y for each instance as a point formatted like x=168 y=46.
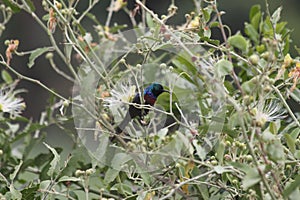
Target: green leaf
x=93 y=17
x=163 y=46
x=276 y=15
x=6 y=77
x=229 y=86
x=297 y=154
x=235 y=120
x=14 y=174
x=199 y=150
x=250 y=86
x=182 y=62
x=255 y=20
x=15 y=193
x=46 y=17
x=273 y=128
x=211 y=41
x=267 y=27
x=54 y=162
x=239 y=42
x=30 y=193
x=286 y=47
x=280 y=27
x=255 y=9
x=204 y=191
x=68 y=50
x=295 y=194
x=252 y=177
x=220 y=151
x=146 y=178
x=31 y=5
x=292 y=187
x=290 y=142
x=295 y=133
x=13 y=6
x=35 y=54
x=207 y=13
x=67 y=178
x=150 y=21
x=103 y=147
x=207 y=33
x=223 y=67
x=120 y=159
x=244 y=167
x=214 y=24
x=81 y=29
x=296 y=94
x=117 y=162
x=230 y=130
x=45 y=184
x=252 y=33
x=276 y=151
x=267 y=136
x=122 y=188
x=110 y=175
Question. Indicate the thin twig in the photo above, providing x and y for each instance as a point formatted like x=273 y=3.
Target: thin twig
x=20 y=76
x=286 y=105
x=110 y=12
x=51 y=37
x=91 y=5
x=169 y=195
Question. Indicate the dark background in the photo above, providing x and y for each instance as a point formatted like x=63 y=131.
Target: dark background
x=31 y=36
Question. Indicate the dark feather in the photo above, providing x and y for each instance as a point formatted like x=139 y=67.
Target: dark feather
x=150 y=95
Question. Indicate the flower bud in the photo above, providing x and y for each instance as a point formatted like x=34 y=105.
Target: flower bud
x=90 y=171
x=254 y=59
x=49 y=55
x=79 y=173
x=6 y=42
x=249 y=158
x=163 y=65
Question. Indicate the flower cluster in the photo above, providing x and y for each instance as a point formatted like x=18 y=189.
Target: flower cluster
x=121 y=95
x=9 y=103
x=267 y=111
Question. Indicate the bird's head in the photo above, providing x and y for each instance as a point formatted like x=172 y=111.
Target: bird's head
x=156 y=89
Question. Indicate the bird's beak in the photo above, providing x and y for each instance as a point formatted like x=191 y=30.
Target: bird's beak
x=166 y=91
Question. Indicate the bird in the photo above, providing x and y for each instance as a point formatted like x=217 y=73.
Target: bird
x=150 y=94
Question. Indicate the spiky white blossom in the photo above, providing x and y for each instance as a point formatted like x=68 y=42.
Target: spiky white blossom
x=9 y=103
x=268 y=111
x=121 y=94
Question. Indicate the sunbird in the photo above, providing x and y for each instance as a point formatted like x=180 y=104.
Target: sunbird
x=150 y=95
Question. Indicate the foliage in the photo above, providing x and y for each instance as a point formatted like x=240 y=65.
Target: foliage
x=236 y=136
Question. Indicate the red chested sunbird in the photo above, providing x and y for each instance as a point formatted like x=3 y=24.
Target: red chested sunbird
x=150 y=95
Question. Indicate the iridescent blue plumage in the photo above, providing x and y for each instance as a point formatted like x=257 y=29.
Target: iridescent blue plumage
x=150 y=95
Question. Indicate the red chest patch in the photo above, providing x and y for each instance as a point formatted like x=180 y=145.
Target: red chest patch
x=149 y=99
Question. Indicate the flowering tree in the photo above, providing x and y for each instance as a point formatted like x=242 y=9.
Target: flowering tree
x=223 y=130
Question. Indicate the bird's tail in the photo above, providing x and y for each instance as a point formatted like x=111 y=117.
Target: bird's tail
x=119 y=129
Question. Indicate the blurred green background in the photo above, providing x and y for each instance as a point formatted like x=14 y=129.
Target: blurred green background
x=31 y=36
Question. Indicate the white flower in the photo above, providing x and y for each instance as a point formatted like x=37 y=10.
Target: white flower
x=121 y=94
x=9 y=103
x=268 y=111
